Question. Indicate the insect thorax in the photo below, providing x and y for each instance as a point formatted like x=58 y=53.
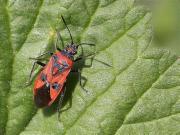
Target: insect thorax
x=70 y=51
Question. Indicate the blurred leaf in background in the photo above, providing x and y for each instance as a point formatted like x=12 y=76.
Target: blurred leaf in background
x=166 y=18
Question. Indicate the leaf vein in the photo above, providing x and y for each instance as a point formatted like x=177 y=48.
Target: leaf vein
x=11 y=67
x=12 y=64
x=158 y=78
x=115 y=76
x=31 y=27
x=143 y=122
x=123 y=34
x=99 y=95
x=90 y=20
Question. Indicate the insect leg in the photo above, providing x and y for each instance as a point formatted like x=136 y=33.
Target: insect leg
x=59 y=49
x=83 y=57
x=40 y=63
x=77 y=59
x=80 y=58
x=60 y=101
x=80 y=82
x=39 y=57
x=80 y=79
x=32 y=70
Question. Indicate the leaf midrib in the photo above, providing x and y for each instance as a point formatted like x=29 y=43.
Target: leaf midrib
x=14 y=56
x=10 y=59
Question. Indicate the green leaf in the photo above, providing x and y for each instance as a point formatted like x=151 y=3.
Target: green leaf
x=139 y=94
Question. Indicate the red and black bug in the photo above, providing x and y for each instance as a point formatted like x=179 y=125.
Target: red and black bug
x=51 y=81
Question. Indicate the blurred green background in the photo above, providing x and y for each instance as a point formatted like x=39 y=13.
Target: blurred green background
x=166 y=21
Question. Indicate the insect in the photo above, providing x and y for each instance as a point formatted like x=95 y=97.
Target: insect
x=51 y=81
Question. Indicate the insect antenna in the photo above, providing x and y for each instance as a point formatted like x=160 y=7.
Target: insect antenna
x=67 y=29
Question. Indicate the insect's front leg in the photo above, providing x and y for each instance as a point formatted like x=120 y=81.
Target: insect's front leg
x=83 y=57
x=80 y=79
x=32 y=70
x=80 y=58
x=39 y=57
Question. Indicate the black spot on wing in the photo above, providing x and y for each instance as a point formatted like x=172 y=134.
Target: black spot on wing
x=55 y=86
x=55 y=57
x=42 y=97
x=43 y=77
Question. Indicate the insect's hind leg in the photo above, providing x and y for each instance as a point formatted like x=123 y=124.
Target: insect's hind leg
x=60 y=101
x=32 y=70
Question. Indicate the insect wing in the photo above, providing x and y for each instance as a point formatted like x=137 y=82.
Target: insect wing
x=49 y=83
x=42 y=97
x=42 y=88
x=60 y=69
x=57 y=85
